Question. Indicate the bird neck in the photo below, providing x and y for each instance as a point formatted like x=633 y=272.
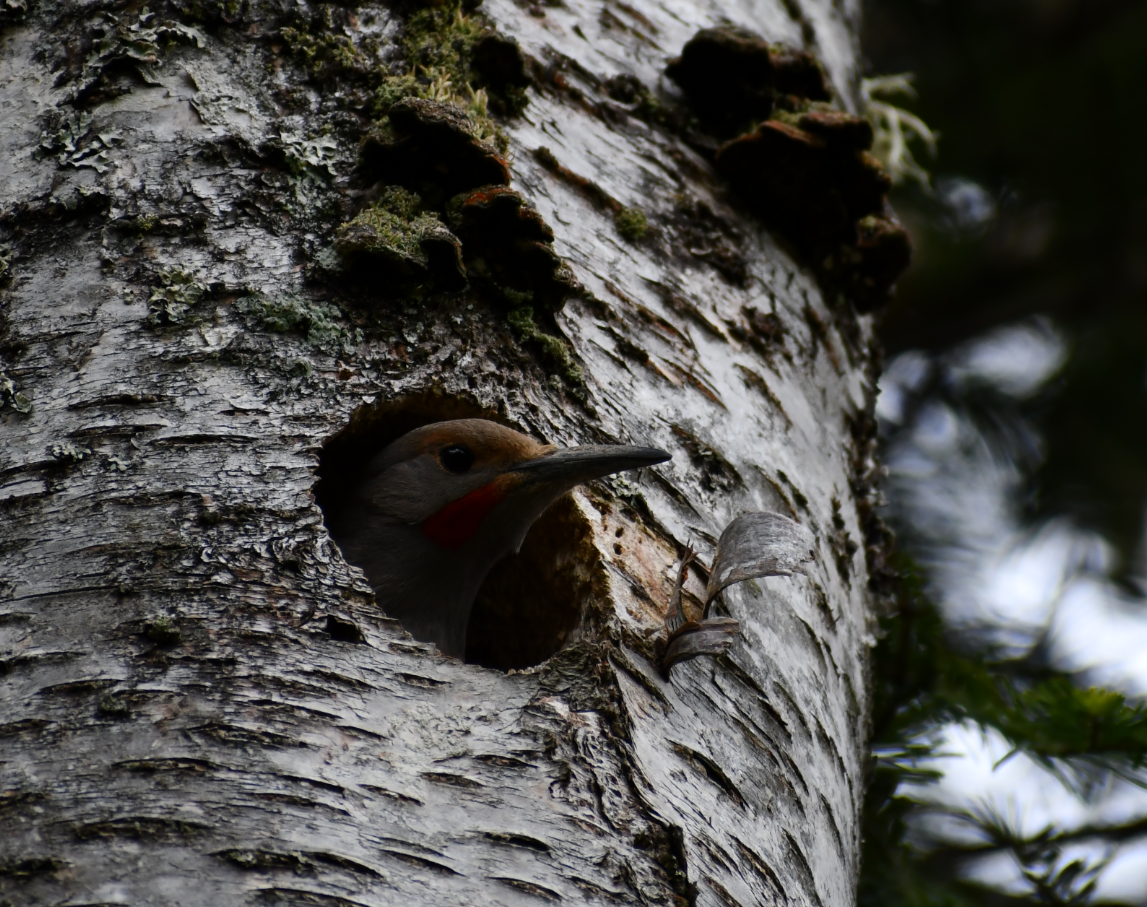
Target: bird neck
x=429 y=588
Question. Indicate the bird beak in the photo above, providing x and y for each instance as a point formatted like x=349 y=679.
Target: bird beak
x=573 y=465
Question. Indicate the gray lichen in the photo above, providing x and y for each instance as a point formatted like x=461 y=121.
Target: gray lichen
x=321 y=324
x=140 y=43
x=74 y=144
x=69 y=453
x=171 y=303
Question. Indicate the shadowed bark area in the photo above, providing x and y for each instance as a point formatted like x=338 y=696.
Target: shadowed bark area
x=206 y=282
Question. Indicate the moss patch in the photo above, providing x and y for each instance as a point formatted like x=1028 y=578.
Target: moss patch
x=398 y=239
x=439 y=46
x=555 y=351
x=442 y=214
x=631 y=223
x=325 y=53
x=459 y=58
x=163 y=631
x=435 y=135
x=392 y=228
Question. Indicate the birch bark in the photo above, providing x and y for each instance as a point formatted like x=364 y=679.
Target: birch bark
x=200 y=701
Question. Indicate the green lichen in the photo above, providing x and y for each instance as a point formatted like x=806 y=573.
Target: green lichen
x=111 y=707
x=437 y=45
x=10 y=396
x=318 y=322
x=895 y=129
x=301 y=368
x=631 y=223
x=171 y=303
x=555 y=351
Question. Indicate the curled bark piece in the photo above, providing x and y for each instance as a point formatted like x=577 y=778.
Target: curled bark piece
x=755 y=545
x=709 y=637
x=513 y=244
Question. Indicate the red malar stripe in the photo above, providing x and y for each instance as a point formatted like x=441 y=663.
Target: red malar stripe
x=455 y=523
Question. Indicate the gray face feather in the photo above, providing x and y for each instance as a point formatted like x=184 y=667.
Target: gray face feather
x=428 y=586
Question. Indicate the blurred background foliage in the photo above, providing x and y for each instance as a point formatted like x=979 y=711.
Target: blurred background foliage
x=1039 y=207
x=1014 y=423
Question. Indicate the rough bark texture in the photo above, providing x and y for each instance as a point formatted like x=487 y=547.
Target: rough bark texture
x=200 y=701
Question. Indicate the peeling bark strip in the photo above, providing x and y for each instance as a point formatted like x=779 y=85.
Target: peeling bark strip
x=753 y=546
x=229 y=263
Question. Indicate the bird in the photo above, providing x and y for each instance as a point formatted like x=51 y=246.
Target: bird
x=437 y=508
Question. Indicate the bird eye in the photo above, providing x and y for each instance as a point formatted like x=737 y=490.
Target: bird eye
x=456 y=458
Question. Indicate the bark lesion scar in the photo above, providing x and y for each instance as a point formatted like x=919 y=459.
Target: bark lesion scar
x=631 y=223
x=758 y=383
x=706 y=766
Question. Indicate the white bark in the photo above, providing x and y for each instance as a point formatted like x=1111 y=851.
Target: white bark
x=241 y=752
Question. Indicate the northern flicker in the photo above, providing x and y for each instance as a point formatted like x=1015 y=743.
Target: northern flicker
x=439 y=506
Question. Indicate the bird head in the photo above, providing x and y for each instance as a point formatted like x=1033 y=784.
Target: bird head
x=443 y=503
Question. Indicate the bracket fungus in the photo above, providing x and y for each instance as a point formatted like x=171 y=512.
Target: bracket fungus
x=804 y=166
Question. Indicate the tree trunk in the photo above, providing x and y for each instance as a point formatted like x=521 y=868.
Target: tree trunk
x=203 y=703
